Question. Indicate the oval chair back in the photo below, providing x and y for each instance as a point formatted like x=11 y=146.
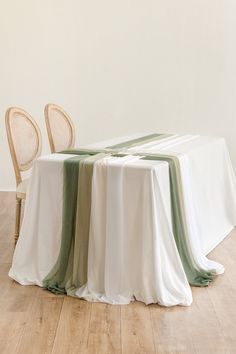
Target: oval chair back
x=60 y=128
x=25 y=143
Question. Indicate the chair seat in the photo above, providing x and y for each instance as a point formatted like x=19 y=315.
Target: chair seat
x=21 y=189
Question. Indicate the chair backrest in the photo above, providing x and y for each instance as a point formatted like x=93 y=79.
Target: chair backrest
x=24 y=138
x=60 y=128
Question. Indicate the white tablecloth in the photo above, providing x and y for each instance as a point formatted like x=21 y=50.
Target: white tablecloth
x=132 y=252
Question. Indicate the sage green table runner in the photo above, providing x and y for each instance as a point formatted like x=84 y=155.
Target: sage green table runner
x=196 y=276
x=70 y=270
x=138 y=141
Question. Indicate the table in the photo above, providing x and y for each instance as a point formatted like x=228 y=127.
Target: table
x=132 y=253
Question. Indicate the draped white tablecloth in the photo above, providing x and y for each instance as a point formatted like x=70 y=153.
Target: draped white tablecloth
x=132 y=252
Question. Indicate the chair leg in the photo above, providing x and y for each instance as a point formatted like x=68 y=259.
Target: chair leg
x=18 y=215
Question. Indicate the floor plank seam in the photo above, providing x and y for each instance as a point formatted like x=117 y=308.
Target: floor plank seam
x=58 y=322
x=150 y=315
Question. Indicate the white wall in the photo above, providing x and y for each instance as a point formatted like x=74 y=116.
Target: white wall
x=120 y=66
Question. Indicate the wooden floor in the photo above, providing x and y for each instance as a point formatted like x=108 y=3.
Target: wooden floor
x=35 y=321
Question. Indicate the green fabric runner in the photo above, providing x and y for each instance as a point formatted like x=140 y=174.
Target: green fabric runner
x=80 y=261
x=113 y=149
x=138 y=141
x=81 y=152
x=58 y=276
x=196 y=276
x=70 y=270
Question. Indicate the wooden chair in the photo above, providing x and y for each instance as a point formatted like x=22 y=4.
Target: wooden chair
x=60 y=128
x=25 y=143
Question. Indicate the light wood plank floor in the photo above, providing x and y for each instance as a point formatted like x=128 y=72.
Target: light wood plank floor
x=35 y=321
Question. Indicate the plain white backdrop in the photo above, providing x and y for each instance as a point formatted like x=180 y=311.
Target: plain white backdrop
x=119 y=67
